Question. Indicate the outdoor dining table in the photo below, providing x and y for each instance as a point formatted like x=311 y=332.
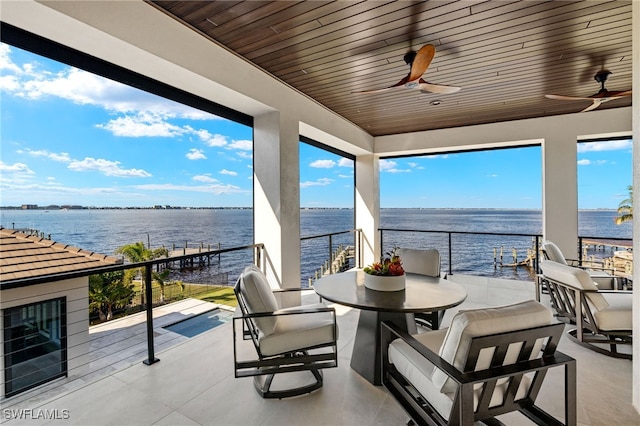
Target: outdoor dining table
x=421 y=294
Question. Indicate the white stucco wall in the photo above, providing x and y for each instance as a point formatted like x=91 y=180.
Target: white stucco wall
x=636 y=201
x=77 y=294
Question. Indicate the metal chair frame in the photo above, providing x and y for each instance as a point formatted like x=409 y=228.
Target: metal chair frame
x=264 y=368
x=462 y=411
x=571 y=306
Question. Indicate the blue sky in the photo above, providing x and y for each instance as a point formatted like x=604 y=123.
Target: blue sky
x=70 y=137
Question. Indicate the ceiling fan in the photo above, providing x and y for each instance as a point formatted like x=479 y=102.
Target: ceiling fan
x=601 y=97
x=418 y=62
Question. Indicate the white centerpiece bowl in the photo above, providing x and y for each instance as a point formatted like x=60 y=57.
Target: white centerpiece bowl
x=384 y=282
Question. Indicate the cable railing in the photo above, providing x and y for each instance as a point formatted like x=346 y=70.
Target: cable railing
x=339 y=254
x=77 y=355
x=485 y=252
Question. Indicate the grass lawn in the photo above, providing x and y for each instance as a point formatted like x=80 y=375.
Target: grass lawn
x=219 y=294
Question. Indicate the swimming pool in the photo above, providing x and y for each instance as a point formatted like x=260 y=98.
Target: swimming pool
x=200 y=323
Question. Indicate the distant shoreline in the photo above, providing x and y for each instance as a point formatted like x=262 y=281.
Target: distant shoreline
x=55 y=208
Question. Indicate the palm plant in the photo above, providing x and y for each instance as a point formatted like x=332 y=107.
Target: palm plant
x=108 y=291
x=625 y=208
x=136 y=253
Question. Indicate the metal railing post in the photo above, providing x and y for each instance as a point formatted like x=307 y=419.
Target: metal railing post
x=147 y=285
x=330 y=255
x=450 y=260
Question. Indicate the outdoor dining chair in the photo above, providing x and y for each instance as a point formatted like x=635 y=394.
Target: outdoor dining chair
x=290 y=340
x=489 y=362
x=423 y=262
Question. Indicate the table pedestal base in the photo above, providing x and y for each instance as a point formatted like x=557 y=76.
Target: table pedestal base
x=366 y=360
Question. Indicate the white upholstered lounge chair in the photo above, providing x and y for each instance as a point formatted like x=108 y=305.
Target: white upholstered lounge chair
x=488 y=362
x=603 y=279
x=300 y=338
x=603 y=318
x=423 y=262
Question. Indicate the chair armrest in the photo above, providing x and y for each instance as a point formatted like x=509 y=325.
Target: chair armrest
x=284 y=290
x=290 y=311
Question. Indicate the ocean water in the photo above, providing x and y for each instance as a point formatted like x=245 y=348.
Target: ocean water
x=103 y=231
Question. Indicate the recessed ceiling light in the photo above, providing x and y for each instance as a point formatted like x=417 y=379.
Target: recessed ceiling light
x=435 y=102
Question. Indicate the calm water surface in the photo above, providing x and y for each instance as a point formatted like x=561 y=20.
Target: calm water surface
x=103 y=231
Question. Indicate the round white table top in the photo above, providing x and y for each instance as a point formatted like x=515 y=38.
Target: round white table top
x=422 y=293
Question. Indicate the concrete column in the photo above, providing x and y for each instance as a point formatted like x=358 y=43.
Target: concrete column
x=635 y=123
x=276 y=213
x=559 y=191
x=367 y=205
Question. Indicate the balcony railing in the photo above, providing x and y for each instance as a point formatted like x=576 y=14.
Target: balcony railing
x=342 y=250
x=485 y=252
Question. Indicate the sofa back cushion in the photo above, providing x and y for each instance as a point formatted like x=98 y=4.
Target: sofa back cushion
x=576 y=278
x=484 y=322
x=417 y=261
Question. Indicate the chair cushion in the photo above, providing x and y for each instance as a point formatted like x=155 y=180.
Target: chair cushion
x=416 y=261
x=294 y=332
x=259 y=298
x=553 y=252
x=482 y=322
x=618 y=315
x=418 y=371
x=576 y=278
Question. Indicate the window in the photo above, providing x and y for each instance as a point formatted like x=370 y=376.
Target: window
x=35 y=344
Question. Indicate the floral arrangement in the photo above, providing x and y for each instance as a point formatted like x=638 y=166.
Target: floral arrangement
x=391 y=265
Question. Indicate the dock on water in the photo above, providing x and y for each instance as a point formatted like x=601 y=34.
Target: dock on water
x=194 y=262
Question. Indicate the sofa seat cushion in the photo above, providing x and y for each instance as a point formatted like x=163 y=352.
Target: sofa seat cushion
x=419 y=372
x=293 y=332
x=618 y=316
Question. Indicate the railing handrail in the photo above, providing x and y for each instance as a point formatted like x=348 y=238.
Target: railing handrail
x=462 y=232
x=330 y=234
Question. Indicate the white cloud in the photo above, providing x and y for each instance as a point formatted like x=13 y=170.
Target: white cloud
x=605 y=146
x=228 y=172
x=62 y=157
x=216 y=189
x=244 y=155
x=244 y=145
x=345 y=162
x=106 y=167
x=140 y=125
x=211 y=140
x=15 y=168
x=195 y=154
x=584 y=162
x=390 y=166
x=204 y=178
x=317 y=182
x=323 y=164
x=6 y=64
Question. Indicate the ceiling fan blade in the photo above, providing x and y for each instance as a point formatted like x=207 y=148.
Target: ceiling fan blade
x=567 y=98
x=612 y=95
x=399 y=84
x=425 y=86
x=596 y=103
x=421 y=62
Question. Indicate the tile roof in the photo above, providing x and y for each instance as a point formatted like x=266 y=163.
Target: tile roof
x=28 y=256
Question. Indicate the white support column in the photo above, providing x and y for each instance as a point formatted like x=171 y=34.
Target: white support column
x=559 y=191
x=367 y=205
x=635 y=123
x=276 y=212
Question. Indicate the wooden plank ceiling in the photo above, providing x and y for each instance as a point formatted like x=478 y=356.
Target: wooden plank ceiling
x=506 y=55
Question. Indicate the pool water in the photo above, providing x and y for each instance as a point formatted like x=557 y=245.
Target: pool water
x=200 y=323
